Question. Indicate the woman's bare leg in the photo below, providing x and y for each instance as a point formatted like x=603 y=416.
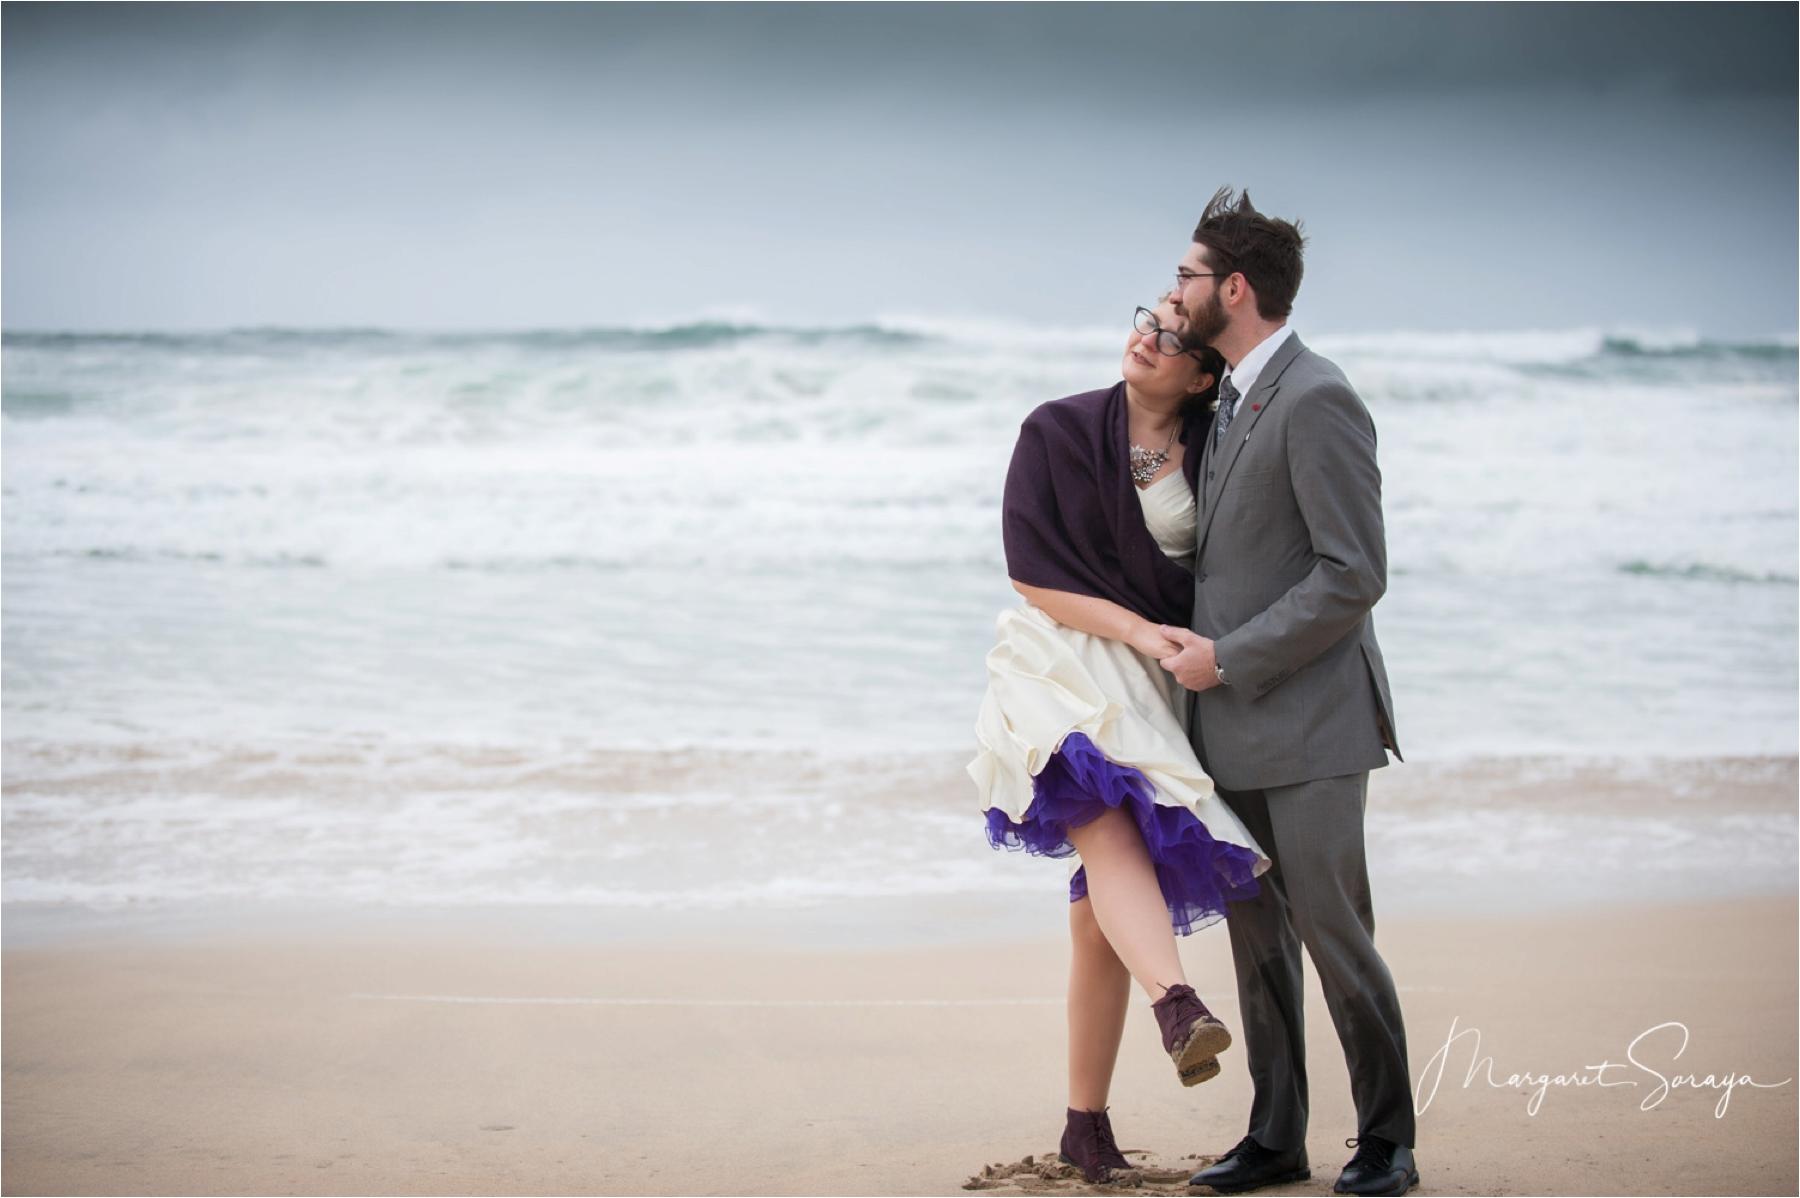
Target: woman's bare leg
x=1128 y=903
x=1099 y=993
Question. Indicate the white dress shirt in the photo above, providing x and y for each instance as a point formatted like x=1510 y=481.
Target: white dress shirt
x=1243 y=375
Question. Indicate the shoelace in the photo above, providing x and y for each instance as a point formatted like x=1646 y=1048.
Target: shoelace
x=1371 y=1151
x=1103 y=1134
x=1193 y=1014
x=1244 y=1147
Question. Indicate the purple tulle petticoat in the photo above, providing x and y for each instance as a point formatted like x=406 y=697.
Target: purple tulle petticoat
x=1198 y=875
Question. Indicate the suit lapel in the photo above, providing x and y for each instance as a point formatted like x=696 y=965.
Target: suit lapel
x=1221 y=459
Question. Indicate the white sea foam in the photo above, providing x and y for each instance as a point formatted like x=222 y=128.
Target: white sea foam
x=131 y=833
x=738 y=535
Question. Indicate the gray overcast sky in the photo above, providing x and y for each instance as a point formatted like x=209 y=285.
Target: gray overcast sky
x=468 y=165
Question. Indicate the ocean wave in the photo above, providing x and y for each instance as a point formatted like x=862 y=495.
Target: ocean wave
x=1705 y=572
x=824 y=557
x=1587 y=349
x=129 y=553
x=704 y=334
x=1551 y=347
x=1695 y=347
x=201 y=340
x=25 y=401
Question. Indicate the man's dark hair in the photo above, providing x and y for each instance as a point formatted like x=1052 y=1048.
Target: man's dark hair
x=1264 y=249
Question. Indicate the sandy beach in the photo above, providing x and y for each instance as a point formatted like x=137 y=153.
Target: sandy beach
x=513 y=1052
x=510 y=525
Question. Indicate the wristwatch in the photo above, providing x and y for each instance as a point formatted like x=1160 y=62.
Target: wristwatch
x=1219 y=671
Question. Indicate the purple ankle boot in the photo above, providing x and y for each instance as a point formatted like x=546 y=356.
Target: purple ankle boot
x=1088 y=1144
x=1191 y=1036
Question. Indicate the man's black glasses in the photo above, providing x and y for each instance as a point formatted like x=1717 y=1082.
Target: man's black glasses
x=1182 y=275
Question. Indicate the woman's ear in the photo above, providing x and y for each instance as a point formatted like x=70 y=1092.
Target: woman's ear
x=1202 y=381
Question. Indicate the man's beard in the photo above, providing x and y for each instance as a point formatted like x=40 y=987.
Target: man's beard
x=1206 y=324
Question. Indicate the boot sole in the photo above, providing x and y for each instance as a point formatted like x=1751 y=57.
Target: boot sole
x=1279 y=1180
x=1198 y=1059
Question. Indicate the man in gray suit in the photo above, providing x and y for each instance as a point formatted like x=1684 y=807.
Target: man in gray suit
x=1289 y=706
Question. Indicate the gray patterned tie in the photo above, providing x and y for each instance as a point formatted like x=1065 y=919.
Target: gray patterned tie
x=1228 y=397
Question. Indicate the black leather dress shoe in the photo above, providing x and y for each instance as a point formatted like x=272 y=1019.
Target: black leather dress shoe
x=1250 y=1166
x=1379 y=1167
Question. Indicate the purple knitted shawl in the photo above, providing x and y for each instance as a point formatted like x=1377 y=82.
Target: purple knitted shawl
x=1071 y=519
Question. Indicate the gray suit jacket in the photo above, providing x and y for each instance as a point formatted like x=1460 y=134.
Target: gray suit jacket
x=1291 y=559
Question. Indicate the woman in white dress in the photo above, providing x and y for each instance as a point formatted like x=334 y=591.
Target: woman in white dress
x=1084 y=749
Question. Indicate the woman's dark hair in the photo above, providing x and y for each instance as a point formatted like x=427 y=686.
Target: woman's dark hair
x=1264 y=249
x=1197 y=409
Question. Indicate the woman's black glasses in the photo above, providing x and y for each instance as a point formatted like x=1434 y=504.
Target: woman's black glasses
x=1165 y=343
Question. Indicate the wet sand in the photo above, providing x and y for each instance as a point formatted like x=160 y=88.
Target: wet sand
x=507 y=1052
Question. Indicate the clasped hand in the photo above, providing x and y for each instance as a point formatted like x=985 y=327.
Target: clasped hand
x=1191 y=658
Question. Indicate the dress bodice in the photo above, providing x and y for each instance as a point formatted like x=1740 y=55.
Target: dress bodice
x=1170 y=511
